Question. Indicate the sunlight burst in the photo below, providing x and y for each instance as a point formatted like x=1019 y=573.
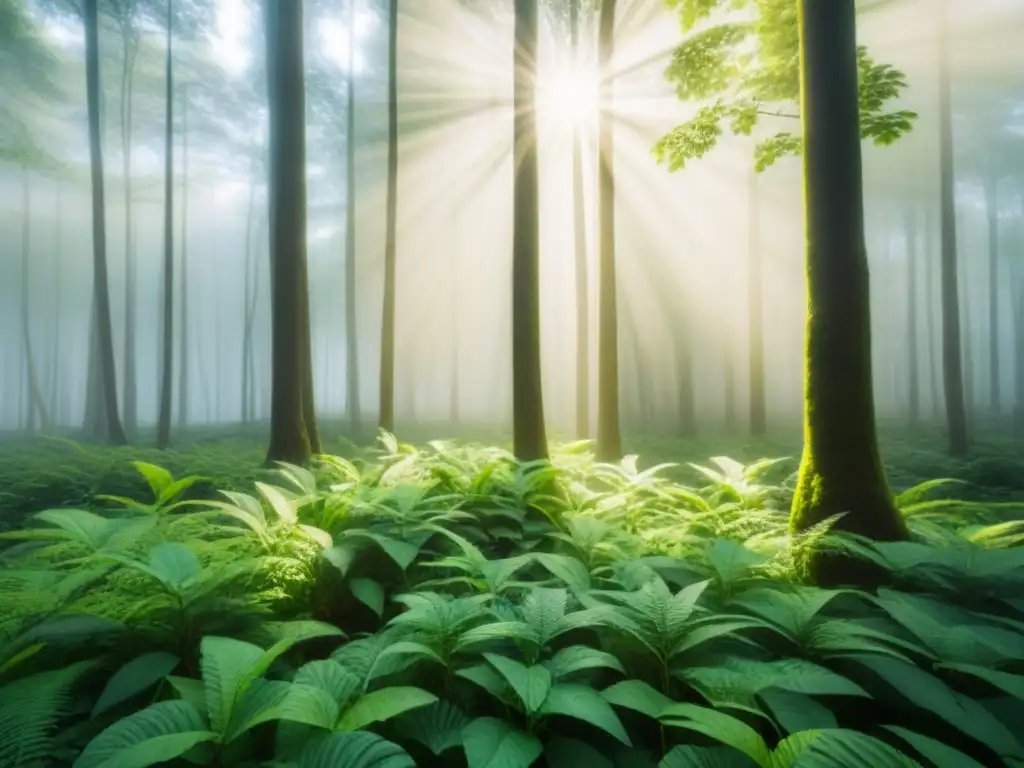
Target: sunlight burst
x=568 y=96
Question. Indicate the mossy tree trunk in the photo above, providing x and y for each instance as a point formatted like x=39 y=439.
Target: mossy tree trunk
x=528 y=430
x=163 y=429
x=105 y=374
x=289 y=432
x=609 y=431
x=387 y=334
x=952 y=367
x=840 y=470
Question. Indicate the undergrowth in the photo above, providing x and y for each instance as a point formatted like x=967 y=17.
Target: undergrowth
x=449 y=606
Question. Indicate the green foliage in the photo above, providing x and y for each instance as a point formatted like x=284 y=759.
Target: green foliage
x=743 y=56
x=501 y=614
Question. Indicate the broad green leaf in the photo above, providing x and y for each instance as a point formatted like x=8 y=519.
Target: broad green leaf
x=637 y=696
x=260 y=702
x=719 y=726
x=370 y=593
x=796 y=712
x=705 y=757
x=156 y=477
x=838 y=748
x=384 y=704
x=493 y=743
x=401 y=552
x=284 y=507
x=437 y=726
x=354 y=750
x=941 y=755
x=579 y=657
x=1010 y=683
x=584 y=703
x=174 y=564
x=225 y=662
x=158 y=734
x=930 y=693
x=133 y=678
x=573 y=753
x=531 y=684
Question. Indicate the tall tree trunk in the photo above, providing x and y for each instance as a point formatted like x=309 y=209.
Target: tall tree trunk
x=967 y=343
x=729 y=382
x=37 y=409
x=130 y=42
x=609 y=433
x=387 y=337
x=289 y=438
x=184 y=347
x=246 y=414
x=528 y=429
x=952 y=370
x=580 y=248
x=992 y=214
x=56 y=369
x=163 y=428
x=910 y=234
x=114 y=431
x=932 y=304
x=840 y=469
x=755 y=319
x=353 y=407
x=1018 y=347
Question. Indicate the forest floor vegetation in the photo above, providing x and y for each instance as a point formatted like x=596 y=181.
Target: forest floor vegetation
x=443 y=605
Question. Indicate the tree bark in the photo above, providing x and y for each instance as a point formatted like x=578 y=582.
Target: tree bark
x=353 y=406
x=163 y=428
x=580 y=252
x=840 y=469
x=952 y=370
x=755 y=312
x=114 y=431
x=910 y=234
x=992 y=215
x=289 y=438
x=609 y=432
x=56 y=369
x=37 y=408
x=130 y=42
x=528 y=429
x=184 y=348
x=931 y=304
x=387 y=338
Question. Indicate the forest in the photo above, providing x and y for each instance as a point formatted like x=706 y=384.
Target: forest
x=511 y=383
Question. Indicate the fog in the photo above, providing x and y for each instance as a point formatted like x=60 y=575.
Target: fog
x=684 y=239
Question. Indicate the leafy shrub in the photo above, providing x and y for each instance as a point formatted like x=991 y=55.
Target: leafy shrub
x=446 y=605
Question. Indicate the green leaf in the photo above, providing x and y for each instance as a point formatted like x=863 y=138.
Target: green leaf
x=573 y=753
x=354 y=750
x=260 y=702
x=637 y=696
x=839 y=748
x=133 y=678
x=280 y=503
x=156 y=477
x=437 y=726
x=584 y=703
x=158 y=734
x=370 y=593
x=531 y=684
x=492 y=743
x=401 y=552
x=930 y=693
x=719 y=726
x=1010 y=683
x=796 y=712
x=579 y=657
x=225 y=663
x=704 y=757
x=939 y=754
x=384 y=704
x=174 y=564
